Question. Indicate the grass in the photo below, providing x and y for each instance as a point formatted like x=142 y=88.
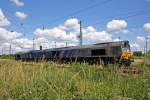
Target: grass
x=51 y=81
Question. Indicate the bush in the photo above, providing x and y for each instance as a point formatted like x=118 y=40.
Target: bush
x=6 y=57
x=147 y=55
x=137 y=53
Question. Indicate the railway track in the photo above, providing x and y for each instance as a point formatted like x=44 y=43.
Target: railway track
x=129 y=70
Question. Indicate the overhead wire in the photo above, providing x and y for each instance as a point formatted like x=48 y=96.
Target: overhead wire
x=101 y=3
x=128 y=16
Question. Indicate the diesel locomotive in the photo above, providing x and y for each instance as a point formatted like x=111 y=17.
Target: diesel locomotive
x=100 y=53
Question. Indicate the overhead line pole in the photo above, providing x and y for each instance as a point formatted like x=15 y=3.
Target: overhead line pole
x=146 y=44
x=81 y=35
x=33 y=44
x=10 y=49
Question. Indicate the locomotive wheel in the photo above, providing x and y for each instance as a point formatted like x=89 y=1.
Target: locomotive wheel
x=124 y=63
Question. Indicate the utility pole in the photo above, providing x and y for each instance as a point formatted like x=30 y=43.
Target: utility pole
x=10 y=49
x=33 y=44
x=146 y=44
x=144 y=50
x=55 y=44
x=81 y=40
x=119 y=38
x=22 y=26
x=66 y=44
x=2 y=50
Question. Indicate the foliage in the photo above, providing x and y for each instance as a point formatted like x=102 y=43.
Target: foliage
x=147 y=55
x=51 y=81
x=6 y=57
x=137 y=53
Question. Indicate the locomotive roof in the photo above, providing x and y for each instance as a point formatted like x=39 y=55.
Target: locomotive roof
x=105 y=44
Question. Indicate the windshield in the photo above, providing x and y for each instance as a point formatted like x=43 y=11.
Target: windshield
x=126 y=47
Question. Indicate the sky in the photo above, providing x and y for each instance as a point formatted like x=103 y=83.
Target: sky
x=56 y=22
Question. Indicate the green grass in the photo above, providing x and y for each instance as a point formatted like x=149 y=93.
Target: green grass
x=51 y=81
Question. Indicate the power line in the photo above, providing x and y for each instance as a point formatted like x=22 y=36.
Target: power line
x=80 y=11
x=129 y=15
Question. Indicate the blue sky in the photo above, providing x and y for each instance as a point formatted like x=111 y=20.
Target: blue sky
x=50 y=13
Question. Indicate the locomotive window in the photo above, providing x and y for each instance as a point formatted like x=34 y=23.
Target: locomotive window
x=116 y=50
x=18 y=56
x=98 y=52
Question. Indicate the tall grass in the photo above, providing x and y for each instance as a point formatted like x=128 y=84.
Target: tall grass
x=51 y=81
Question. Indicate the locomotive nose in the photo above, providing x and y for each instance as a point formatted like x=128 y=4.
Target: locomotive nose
x=126 y=54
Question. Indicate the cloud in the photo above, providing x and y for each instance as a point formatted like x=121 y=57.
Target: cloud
x=147 y=26
x=17 y=2
x=139 y=44
x=24 y=43
x=56 y=34
x=117 y=26
x=3 y=20
x=135 y=45
x=140 y=40
x=5 y=48
x=72 y=24
x=21 y=15
x=8 y=35
x=90 y=34
x=69 y=31
x=117 y=39
x=27 y=44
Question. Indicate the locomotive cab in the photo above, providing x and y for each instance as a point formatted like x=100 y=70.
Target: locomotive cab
x=125 y=57
x=126 y=52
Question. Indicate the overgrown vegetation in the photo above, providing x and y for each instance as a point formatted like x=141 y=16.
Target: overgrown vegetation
x=51 y=81
x=6 y=57
x=148 y=55
x=137 y=53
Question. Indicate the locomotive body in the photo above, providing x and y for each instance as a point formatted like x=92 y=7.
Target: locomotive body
x=101 y=53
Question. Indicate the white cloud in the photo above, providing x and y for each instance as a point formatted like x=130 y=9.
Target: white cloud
x=69 y=31
x=18 y=49
x=23 y=43
x=117 y=26
x=56 y=34
x=135 y=45
x=90 y=34
x=59 y=44
x=27 y=44
x=139 y=44
x=21 y=15
x=5 y=48
x=3 y=20
x=72 y=24
x=147 y=26
x=17 y=2
x=140 y=40
x=62 y=33
x=117 y=39
x=8 y=35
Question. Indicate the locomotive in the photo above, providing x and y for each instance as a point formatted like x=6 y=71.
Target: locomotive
x=100 y=53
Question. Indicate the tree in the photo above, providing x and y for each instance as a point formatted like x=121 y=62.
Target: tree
x=137 y=53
